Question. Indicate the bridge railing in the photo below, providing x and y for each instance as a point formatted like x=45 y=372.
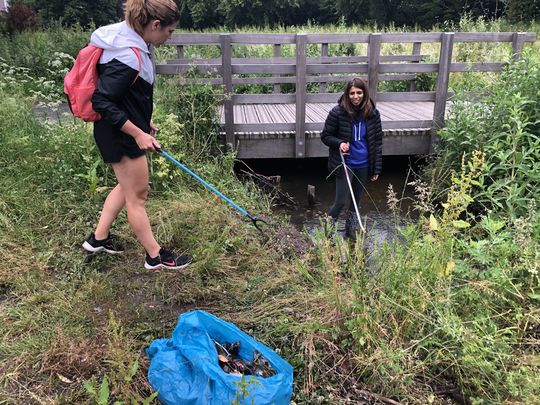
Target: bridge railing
x=297 y=77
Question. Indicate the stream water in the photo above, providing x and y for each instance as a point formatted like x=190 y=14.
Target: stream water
x=297 y=174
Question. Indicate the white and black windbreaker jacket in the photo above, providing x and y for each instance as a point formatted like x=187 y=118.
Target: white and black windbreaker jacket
x=118 y=96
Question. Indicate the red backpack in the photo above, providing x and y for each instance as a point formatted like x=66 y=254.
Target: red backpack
x=81 y=82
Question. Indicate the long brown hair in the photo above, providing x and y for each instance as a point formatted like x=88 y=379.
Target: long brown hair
x=140 y=12
x=365 y=106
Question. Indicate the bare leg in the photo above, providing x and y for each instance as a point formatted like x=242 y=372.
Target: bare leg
x=114 y=203
x=132 y=175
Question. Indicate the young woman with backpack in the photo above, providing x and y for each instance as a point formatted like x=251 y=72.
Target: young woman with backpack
x=125 y=131
x=353 y=128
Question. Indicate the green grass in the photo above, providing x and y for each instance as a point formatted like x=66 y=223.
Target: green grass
x=70 y=319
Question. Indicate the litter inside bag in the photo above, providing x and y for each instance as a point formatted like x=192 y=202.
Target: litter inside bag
x=232 y=363
x=190 y=367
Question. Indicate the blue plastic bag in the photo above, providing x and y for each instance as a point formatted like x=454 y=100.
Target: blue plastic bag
x=185 y=369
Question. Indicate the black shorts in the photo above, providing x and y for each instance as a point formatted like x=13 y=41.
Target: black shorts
x=114 y=144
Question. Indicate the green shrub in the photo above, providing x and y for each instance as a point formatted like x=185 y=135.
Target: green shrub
x=36 y=51
x=505 y=124
x=194 y=109
x=44 y=158
x=43 y=89
x=448 y=306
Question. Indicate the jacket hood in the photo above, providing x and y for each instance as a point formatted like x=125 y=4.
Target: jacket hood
x=117 y=36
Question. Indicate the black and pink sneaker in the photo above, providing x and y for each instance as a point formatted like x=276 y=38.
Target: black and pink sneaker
x=109 y=244
x=166 y=260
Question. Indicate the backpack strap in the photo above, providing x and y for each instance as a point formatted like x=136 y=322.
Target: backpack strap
x=138 y=54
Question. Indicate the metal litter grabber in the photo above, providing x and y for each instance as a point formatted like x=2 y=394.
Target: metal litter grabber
x=346 y=169
x=255 y=220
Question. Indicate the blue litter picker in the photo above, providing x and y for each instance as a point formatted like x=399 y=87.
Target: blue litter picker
x=255 y=220
x=188 y=369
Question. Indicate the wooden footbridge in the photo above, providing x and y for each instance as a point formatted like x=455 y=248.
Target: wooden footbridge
x=286 y=118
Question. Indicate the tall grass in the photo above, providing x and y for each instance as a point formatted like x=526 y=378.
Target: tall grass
x=450 y=309
x=35 y=50
x=67 y=320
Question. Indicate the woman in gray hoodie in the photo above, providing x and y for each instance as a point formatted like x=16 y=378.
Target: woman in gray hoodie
x=125 y=132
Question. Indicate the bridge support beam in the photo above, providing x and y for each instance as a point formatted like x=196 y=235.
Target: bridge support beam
x=300 y=144
x=226 y=62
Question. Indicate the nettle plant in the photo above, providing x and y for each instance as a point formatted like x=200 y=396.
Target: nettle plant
x=194 y=107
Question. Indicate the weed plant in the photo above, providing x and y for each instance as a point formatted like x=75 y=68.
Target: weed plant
x=505 y=125
x=194 y=106
x=442 y=311
x=36 y=50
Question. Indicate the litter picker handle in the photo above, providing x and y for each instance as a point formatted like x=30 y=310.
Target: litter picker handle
x=207 y=185
x=346 y=169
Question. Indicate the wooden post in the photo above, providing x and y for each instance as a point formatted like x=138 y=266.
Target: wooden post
x=277 y=54
x=518 y=41
x=324 y=52
x=311 y=195
x=226 y=63
x=445 y=59
x=300 y=145
x=180 y=51
x=441 y=92
x=374 y=52
x=417 y=48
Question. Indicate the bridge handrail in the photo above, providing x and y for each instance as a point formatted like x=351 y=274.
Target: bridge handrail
x=186 y=39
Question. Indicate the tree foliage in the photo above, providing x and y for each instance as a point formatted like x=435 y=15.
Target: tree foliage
x=202 y=14
x=258 y=12
x=71 y=12
x=523 y=10
x=422 y=13
x=21 y=17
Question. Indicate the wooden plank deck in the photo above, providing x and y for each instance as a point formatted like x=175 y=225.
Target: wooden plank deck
x=268 y=130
